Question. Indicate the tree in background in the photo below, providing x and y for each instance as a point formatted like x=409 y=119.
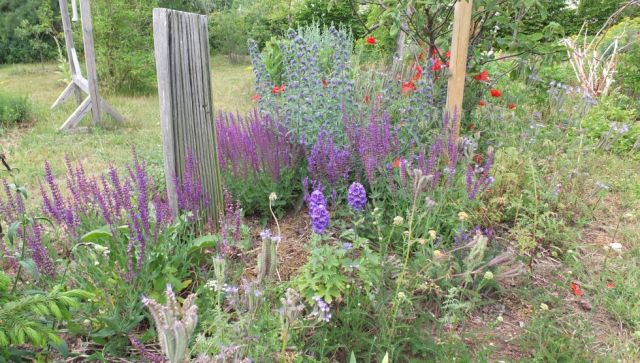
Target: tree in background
x=596 y=12
x=40 y=34
x=13 y=14
x=123 y=35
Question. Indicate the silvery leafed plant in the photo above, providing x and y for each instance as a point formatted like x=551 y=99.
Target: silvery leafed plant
x=174 y=324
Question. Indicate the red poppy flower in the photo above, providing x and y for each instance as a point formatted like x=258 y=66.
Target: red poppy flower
x=471 y=127
x=418 y=73
x=482 y=103
x=408 y=87
x=576 y=289
x=437 y=65
x=495 y=93
x=371 y=40
x=366 y=99
x=478 y=159
x=255 y=98
x=448 y=54
x=278 y=89
x=512 y=106
x=434 y=51
x=397 y=162
x=324 y=83
x=482 y=76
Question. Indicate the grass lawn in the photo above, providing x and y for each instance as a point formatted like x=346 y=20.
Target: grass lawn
x=28 y=147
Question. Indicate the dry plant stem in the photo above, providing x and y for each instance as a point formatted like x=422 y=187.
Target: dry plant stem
x=279 y=234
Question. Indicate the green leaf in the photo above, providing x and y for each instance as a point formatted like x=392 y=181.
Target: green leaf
x=386 y=358
x=99 y=233
x=208 y=241
x=352 y=359
x=31 y=267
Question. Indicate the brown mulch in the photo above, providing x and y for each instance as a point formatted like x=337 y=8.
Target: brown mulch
x=292 y=252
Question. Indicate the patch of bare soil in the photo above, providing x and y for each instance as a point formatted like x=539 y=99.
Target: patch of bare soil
x=292 y=253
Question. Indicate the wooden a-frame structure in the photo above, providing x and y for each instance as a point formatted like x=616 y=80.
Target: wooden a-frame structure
x=79 y=84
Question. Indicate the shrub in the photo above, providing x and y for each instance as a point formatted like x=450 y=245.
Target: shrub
x=258 y=157
x=614 y=124
x=13 y=109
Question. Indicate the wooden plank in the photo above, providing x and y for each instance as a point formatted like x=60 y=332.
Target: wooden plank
x=161 y=40
x=184 y=82
x=77 y=115
x=90 y=59
x=68 y=41
x=458 y=63
x=65 y=95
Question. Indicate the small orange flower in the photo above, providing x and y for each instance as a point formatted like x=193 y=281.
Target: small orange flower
x=478 y=159
x=371 y=40
x=396 y=163
x=482 y=103
x=512 y=106
x=324 y=83
x=610 y=285
x=495 y=93
x=448 y=54
x=471 y=127
x=255 y=98
x=366 y=99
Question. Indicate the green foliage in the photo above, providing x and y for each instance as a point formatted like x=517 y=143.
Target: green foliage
x=627 y=76
x=323 y=274
x=228 y=34
x=605 y=122
x=230 y=27
x=253 y=191
x=28 y=30
x=123 y=35
x=329 y=12
x=596 y=12
x=27 y=317
x=13 y=110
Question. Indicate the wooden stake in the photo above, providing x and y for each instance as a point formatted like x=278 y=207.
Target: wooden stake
x=90 y=59
x=458 y=63
x=68 y=42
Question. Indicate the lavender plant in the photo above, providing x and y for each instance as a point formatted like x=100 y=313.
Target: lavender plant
x=257 y=156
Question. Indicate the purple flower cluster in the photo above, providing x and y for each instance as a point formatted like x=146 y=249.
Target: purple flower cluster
x=189 y=188
x=321 y=310
x=374 y=141
x=231 y=221
x=481 y=175
x=255 y=144
x=12 y=208
x=115 y=200
x=318 y=211
x=357 y=197
x=327 y=162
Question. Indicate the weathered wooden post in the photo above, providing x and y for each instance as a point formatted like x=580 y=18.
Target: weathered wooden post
x=78 y=83
x=458 y=63
x=181 y=43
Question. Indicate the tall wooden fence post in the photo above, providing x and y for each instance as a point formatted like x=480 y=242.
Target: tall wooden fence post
x=458 y=63
x=181 y=43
